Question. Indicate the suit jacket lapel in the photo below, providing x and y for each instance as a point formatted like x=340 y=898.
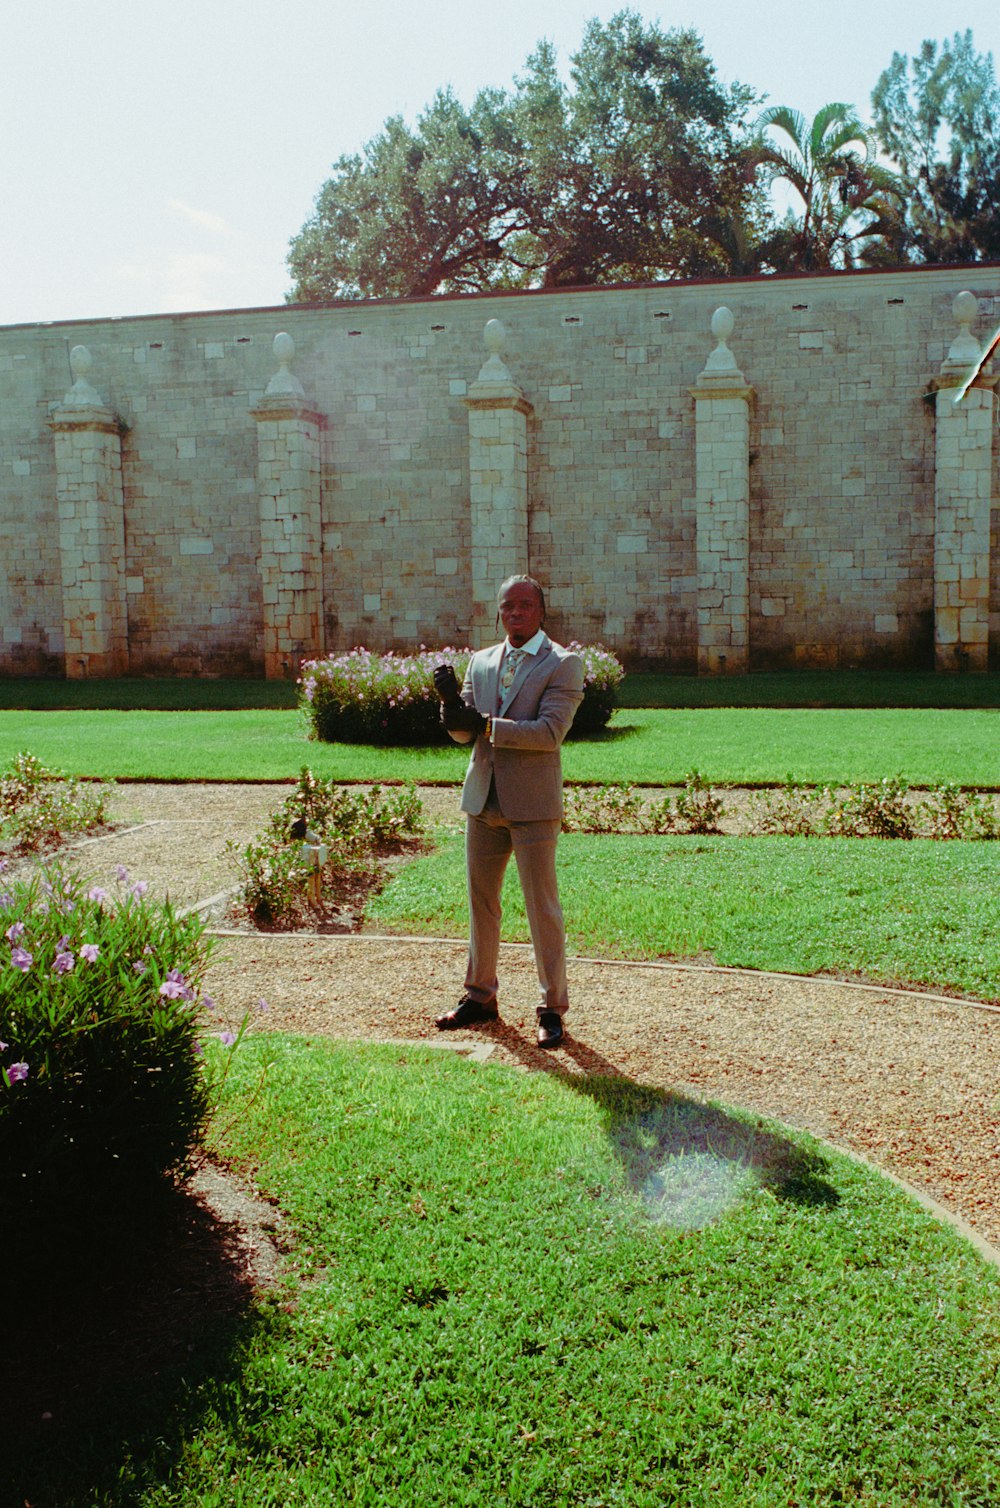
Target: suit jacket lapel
x=493 y=676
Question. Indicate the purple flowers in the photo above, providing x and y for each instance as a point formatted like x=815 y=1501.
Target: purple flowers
x=389 y=697
x=64 y=962
x=176 y=987
x=227 y=1038
x=16 y=1072
x=14 y=931
x=21 y=959
x=90 y=952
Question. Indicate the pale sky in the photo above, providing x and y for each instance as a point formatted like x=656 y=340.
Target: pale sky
x=158 y=155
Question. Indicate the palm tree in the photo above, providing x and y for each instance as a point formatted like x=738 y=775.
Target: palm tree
x=847 y=196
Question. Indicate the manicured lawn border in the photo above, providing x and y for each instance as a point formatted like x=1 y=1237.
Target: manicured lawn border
x=736 y=746
x=916 y=914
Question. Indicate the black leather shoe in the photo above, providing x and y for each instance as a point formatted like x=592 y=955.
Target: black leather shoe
x=550 y=1029
x=466 y=1013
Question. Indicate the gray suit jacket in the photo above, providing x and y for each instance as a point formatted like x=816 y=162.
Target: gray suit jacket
x=528 y=729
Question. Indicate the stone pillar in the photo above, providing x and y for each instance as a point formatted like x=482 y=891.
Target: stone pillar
x=722 y=480
x=498 y=480
x=91 y=527
x=288 y=488
x=962 y=500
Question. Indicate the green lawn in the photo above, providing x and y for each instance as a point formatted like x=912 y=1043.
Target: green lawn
x=733 y=746
x=559 y=1291
x=913 y=913
x=538 y=1290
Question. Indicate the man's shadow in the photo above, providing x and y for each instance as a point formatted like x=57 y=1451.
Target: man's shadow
x=687 y=1161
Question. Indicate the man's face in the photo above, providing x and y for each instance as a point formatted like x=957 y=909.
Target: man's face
x=520 y=613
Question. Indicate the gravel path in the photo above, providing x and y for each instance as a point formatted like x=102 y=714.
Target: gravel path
x=910 y=1081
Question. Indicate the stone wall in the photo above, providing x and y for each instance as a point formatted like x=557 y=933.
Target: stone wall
x=781 y=488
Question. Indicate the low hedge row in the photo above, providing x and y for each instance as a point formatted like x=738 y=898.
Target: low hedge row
x=389 y=699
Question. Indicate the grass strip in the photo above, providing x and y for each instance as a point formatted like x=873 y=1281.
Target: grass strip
x=735 y=746
x=150 y=693
x=547 y=1290
x=780 y=688
x=812 y=688
x=901 y=913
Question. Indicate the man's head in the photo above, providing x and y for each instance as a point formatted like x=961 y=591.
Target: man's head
x=521 y=607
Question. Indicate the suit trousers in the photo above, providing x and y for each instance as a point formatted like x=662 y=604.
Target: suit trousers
x=490 y=839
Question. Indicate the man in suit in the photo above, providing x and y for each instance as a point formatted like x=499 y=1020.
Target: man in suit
x=516 y=706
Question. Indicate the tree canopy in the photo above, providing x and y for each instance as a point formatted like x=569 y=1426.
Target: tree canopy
x=937 y=116
x=645 y=166
x=638 y=168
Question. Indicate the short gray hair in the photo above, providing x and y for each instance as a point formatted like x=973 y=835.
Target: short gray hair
x=522 y=581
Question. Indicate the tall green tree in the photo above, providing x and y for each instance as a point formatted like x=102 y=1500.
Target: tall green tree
x=850 y=202
x=625 y=171
x=423 y=209
x=937 y=116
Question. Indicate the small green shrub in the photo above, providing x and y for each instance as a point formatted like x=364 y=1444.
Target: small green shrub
x=698 y=808
x=39 y=809
x=794 y=811
x=389 y=699
x=102 y=1090
x=603 y=809
x=872 y=810
x=951 y=812
x=272 y=880
x=621 y=809
x=882 y=810
x=356 y=826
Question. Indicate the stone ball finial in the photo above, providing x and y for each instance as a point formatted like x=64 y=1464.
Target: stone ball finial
x=721 y=364
x=82 y=394
x=723 y=324
x=283 y=347
x=284 y=383
x=494 y=337
x=965 y=308
x=964 y=349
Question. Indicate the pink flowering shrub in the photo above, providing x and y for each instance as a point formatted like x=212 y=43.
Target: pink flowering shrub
x=602 y=675
x=103 y=1093
x=363 y=697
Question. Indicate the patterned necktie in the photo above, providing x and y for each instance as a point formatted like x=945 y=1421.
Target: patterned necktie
x=512 y=660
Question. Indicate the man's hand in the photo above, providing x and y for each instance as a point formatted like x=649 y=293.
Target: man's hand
x=458 y=718
x=446 y=685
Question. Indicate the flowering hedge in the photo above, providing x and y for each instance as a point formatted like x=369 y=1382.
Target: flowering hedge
x=362 y=697
x=102 y=1090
